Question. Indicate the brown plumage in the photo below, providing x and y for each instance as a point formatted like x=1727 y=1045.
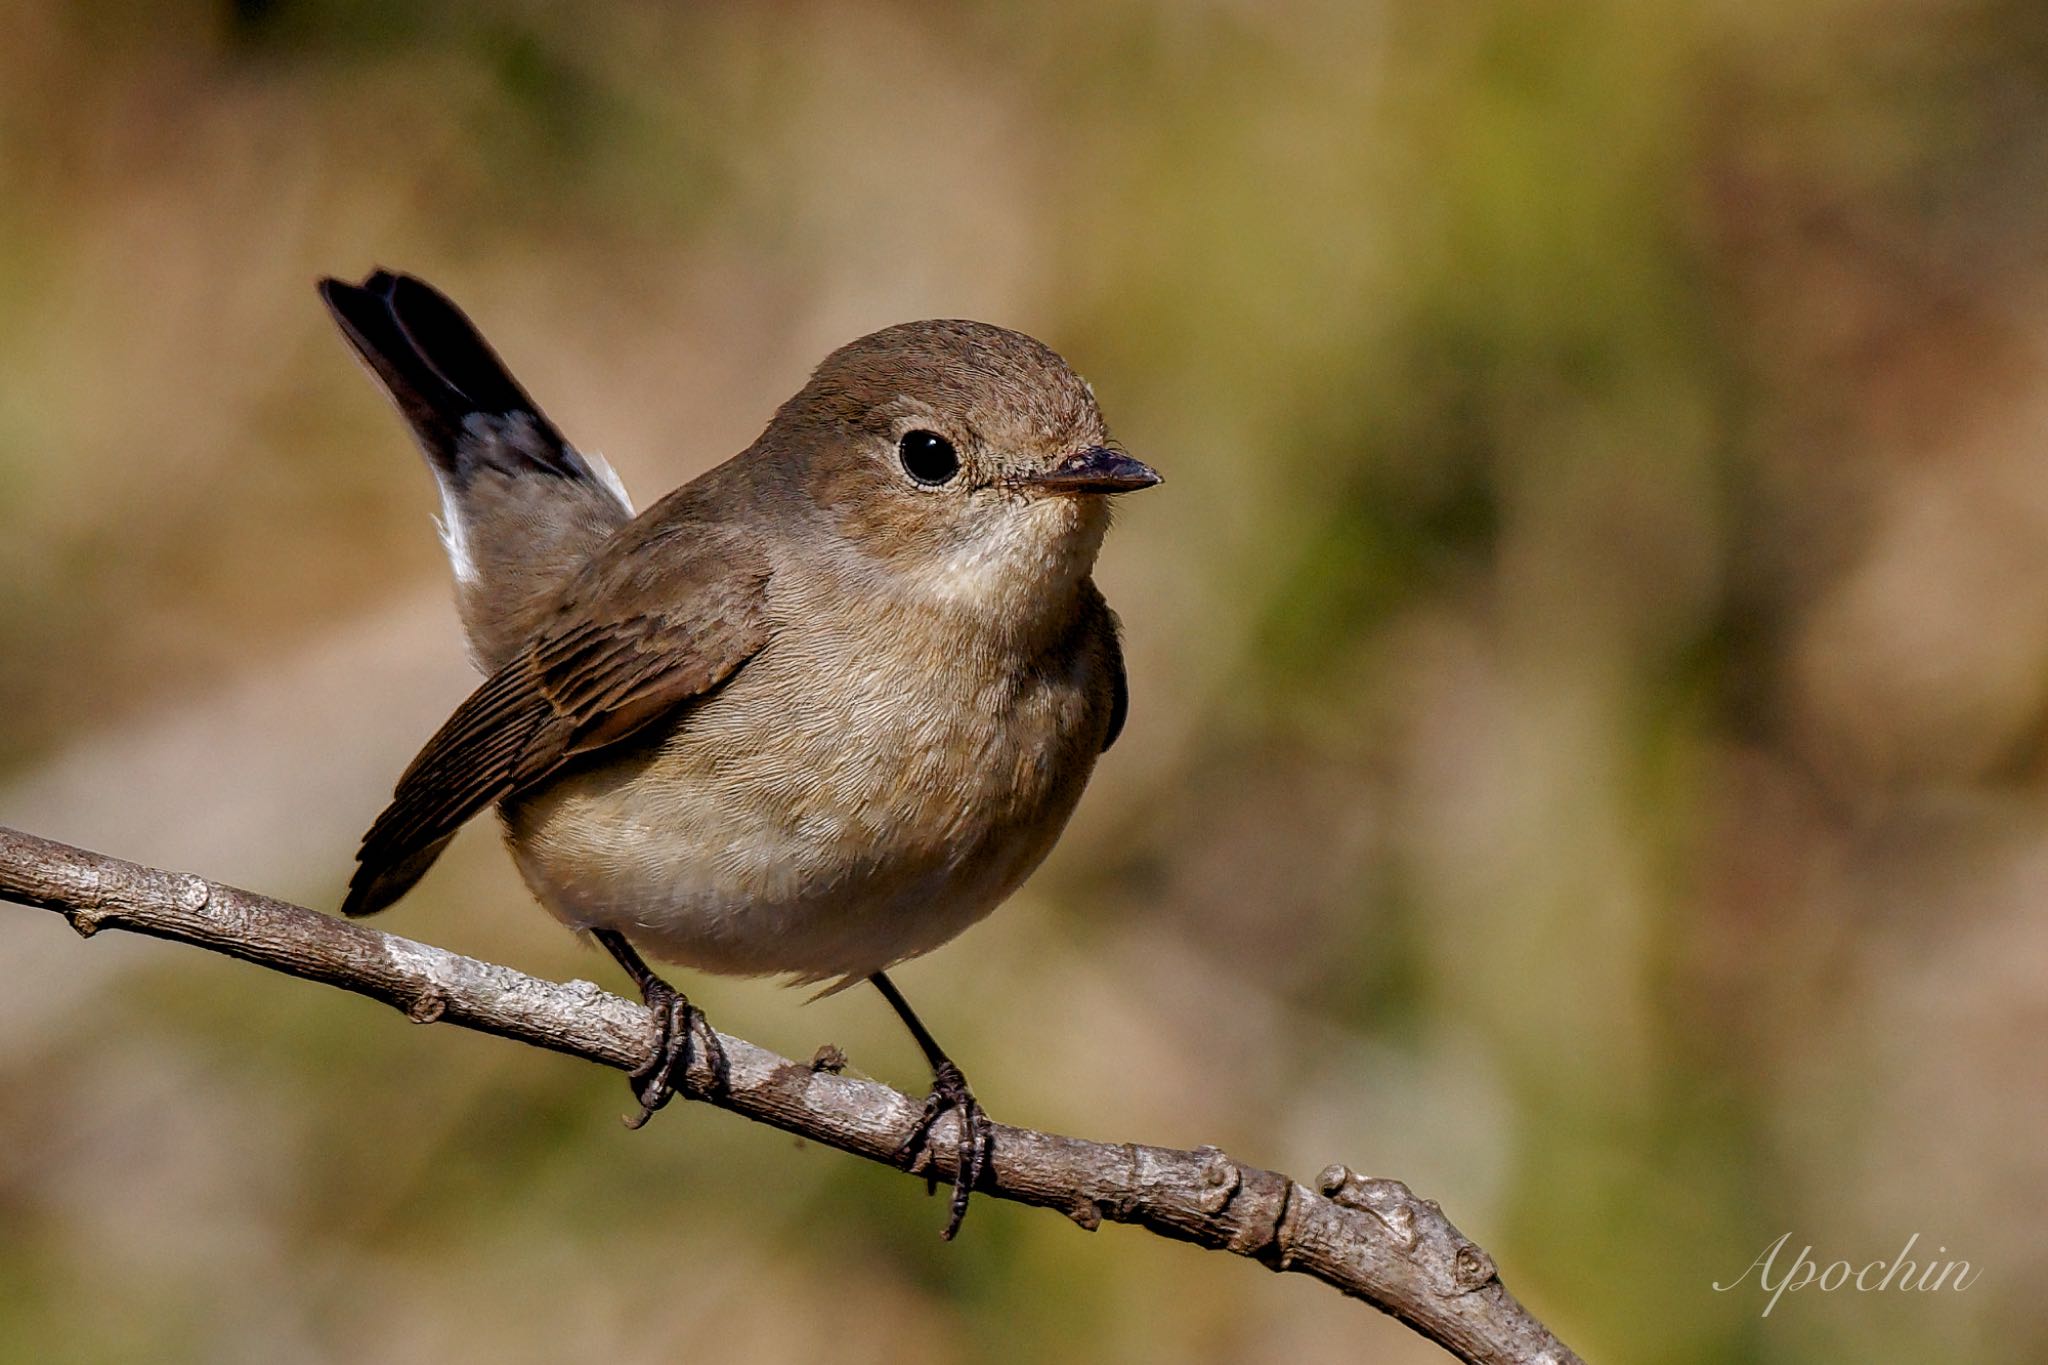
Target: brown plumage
x=811 y=714
x=521 y=509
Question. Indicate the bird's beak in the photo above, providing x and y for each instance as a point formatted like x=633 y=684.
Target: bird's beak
x=1098 y=469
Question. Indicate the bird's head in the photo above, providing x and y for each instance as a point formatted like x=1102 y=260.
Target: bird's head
x=963 y=461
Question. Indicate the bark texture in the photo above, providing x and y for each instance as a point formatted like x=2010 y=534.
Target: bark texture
x=1369 y=1238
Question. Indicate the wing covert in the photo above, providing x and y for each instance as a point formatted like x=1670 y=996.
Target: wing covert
x=587 y=681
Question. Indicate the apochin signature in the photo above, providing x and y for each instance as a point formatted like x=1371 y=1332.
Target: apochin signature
x=1874 y=1277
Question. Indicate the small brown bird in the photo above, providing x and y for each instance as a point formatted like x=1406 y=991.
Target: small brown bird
x=813 y=713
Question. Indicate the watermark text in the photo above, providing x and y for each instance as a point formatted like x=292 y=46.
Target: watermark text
x=1899 y=1273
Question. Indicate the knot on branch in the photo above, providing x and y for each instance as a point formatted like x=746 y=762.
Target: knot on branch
x=1472 y=1267
x=1086 y=1213
x=1411 y=1221
x=82 y=913
x=1390 y=1201
x=1221 y=1180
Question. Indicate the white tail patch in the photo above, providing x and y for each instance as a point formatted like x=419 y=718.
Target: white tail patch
x=609 y=477
x=453 y=523
x=454 y=534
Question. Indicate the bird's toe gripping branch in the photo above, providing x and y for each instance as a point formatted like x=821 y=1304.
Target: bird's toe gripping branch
x=976 y=1151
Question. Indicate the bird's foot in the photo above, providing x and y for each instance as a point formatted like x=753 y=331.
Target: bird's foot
x=676 y=1020
x=977 y=1140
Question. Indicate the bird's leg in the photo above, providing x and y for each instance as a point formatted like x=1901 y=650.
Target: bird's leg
x=949 y=1091
x=675 y=1019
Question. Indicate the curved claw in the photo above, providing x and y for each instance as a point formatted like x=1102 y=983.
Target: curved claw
x=976 y=1149
x=654 y=1081
x=676 y=1020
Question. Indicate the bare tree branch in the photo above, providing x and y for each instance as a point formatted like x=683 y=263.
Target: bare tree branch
x=1372 y=1239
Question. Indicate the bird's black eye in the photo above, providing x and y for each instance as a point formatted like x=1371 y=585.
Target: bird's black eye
x=928 y=457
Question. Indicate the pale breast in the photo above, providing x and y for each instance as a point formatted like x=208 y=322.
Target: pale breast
x=853 y=797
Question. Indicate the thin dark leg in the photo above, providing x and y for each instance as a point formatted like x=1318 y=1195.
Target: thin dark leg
x=675 y=1019
x=949 y=1091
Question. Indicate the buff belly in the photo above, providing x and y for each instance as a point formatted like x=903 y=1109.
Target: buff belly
x=759 y=837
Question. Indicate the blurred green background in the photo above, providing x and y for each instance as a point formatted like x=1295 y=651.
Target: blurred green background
x=1589 y=751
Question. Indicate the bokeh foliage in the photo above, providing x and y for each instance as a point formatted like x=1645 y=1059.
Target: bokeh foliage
x=1587 y=754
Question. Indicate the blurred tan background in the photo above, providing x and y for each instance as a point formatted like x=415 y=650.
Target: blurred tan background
x=1589 y=753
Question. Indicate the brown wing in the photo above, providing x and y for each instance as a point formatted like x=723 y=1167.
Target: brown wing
x=1101 y=622
x=1120 y=697
x=593 y=678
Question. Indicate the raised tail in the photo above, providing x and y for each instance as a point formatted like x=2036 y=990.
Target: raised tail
x=521 y=508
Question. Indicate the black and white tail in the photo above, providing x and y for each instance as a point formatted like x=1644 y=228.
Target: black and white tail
x=521 y=508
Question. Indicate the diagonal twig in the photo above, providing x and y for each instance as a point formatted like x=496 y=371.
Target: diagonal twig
x=1371 y=1239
